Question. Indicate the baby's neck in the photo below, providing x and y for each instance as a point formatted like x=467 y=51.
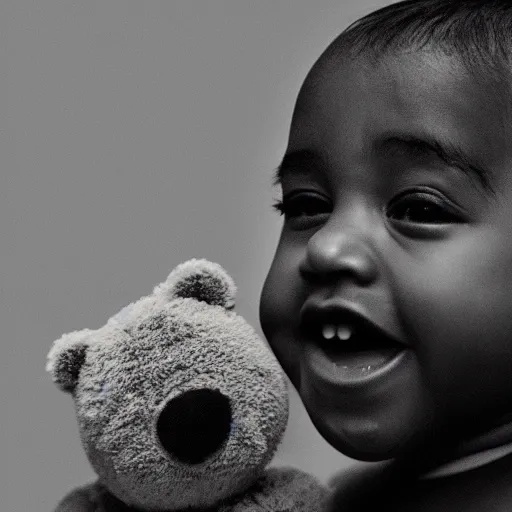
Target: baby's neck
x=484 y=489
x=477 y=451
x=500 y=434
x=469 y=480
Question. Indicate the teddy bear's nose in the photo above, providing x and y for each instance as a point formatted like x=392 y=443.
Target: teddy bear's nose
x=194 y=425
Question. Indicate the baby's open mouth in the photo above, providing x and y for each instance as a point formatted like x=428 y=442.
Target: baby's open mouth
x=356 y=347
x=353 y=345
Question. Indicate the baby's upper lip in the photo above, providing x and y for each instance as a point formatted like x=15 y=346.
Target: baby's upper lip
x=339 y=311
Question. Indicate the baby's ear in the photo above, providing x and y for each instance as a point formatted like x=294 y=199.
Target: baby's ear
x=66 y=357
x=201 y=280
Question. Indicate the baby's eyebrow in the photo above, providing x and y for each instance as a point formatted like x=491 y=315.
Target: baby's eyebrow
x=306 y=161
x=302 y=161
x=448 y=152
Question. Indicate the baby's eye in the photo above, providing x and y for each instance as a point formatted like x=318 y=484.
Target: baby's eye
x=421 y=208
x=303 y=206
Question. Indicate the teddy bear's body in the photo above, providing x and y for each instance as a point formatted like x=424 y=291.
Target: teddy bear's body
x=278 y=489
x=180 y=405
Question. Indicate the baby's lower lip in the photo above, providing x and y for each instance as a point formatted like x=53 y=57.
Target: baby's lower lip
x=359 y=363
x=351 y=367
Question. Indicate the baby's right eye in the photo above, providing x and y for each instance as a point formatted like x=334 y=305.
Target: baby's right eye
x=305 y=207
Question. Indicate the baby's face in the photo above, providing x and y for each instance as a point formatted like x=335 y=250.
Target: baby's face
x=397 y=190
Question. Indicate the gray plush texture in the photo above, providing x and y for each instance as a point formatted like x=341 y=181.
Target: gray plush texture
x=277 y=490
x=202 y=280
x=123 y=374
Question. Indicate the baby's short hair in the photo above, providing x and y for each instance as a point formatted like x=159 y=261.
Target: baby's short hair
x=478 y=32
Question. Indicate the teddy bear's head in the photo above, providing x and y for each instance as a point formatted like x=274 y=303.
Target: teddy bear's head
x=179 y=402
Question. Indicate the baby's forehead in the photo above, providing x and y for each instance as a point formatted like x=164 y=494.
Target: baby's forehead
x=347 y=102
x=409 y=84
x=401 y=68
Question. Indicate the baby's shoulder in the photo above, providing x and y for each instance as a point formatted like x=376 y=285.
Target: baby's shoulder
x=353 y=488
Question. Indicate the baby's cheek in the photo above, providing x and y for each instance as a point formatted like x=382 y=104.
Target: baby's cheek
x=275 y=303
x=277 y=320
x=284 y=289
x=458 y=320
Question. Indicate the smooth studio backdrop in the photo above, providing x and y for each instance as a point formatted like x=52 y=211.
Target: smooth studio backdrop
x=135 y=135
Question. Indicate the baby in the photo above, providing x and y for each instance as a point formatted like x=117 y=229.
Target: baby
x=389 y=300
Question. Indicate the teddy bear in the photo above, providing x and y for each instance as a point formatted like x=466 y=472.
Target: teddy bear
x=180 y=405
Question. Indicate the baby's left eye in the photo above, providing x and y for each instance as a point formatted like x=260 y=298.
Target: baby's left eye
x=421 y=209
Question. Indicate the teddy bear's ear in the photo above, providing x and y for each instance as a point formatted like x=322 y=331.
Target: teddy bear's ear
x=66 y=357
x=202 y=280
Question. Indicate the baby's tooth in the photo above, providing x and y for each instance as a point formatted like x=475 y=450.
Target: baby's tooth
x=344 y=332
x=328 y=331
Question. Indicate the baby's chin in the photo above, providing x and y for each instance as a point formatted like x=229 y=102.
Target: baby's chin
x=369 y=441
x=358 y=446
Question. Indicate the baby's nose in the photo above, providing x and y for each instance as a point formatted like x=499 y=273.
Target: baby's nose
x=194 y=425
x=331 y=251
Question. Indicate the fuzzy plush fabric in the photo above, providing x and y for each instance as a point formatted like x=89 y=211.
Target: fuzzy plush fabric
x=127 y=378
x=277 y=490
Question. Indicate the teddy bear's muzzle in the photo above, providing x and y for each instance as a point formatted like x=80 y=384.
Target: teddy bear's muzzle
x=195 y=424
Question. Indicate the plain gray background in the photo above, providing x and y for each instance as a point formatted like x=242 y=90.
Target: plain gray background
x=135 y=135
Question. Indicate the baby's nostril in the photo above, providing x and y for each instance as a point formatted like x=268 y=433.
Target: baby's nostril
x=194 y=425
